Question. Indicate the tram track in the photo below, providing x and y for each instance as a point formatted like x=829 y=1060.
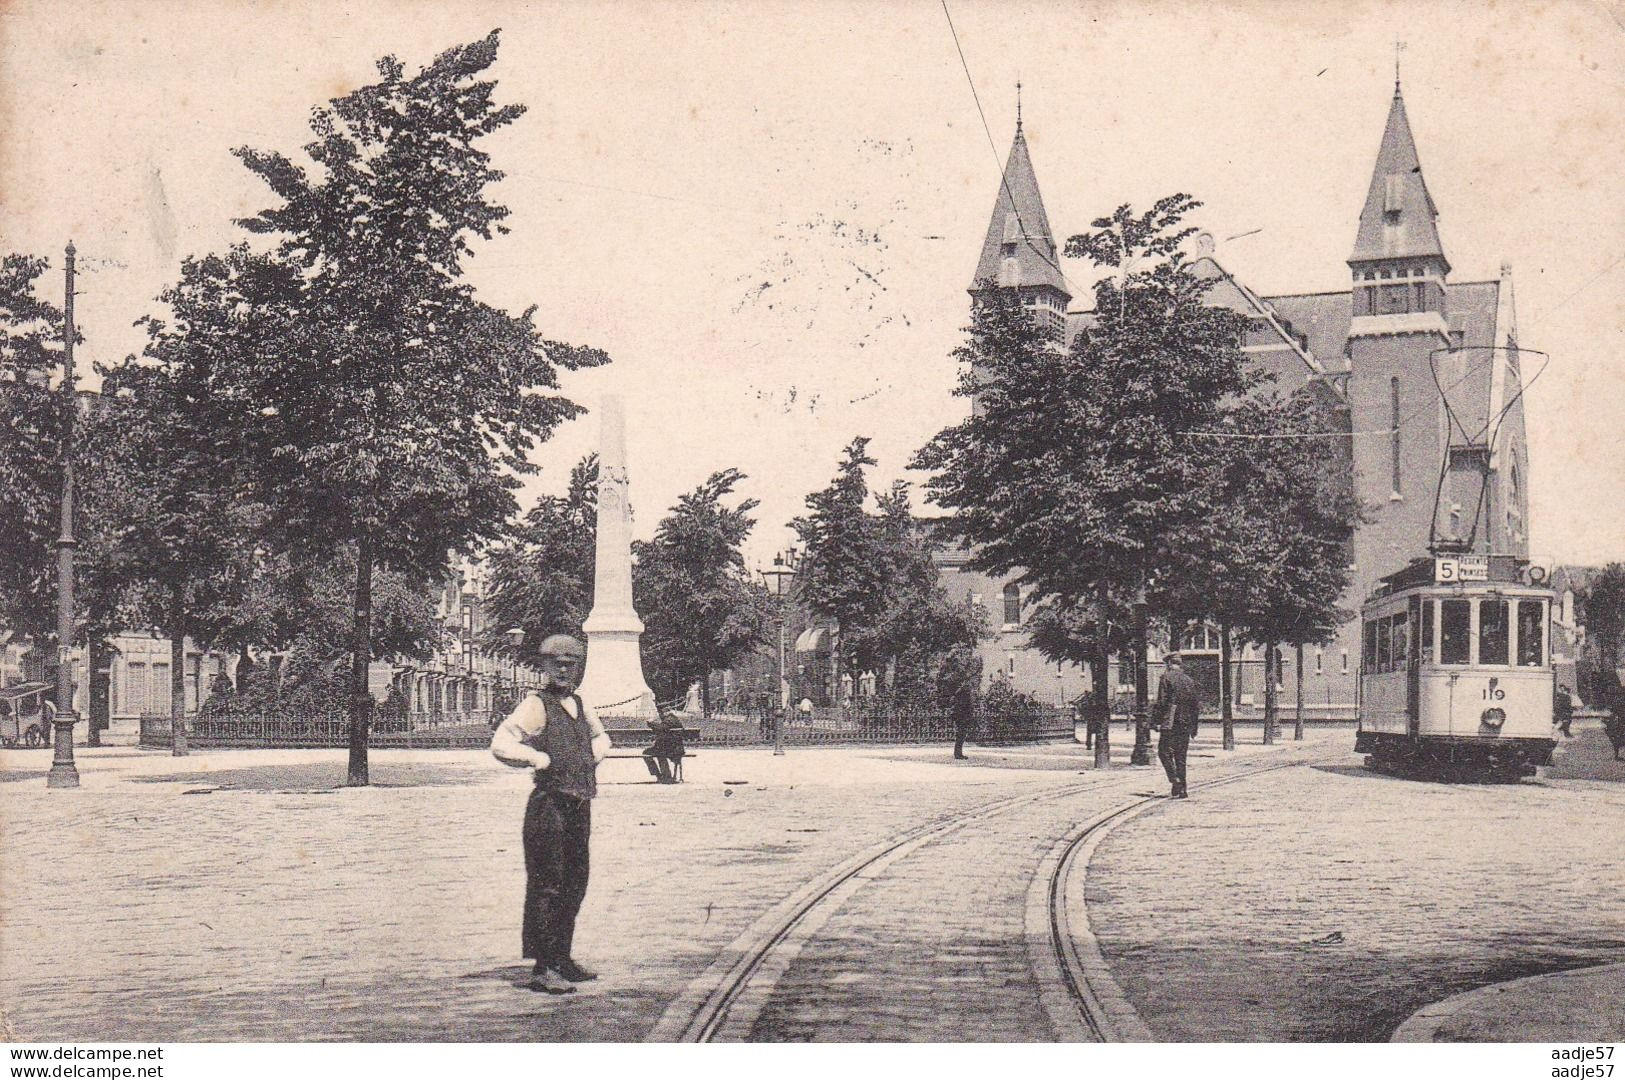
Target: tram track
x=1079 y=996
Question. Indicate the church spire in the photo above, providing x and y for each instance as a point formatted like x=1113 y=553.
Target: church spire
x=1020 y=251
x=1399 y=220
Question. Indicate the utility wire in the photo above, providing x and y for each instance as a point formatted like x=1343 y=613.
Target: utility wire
x=1003 y=180
x=1404 y=421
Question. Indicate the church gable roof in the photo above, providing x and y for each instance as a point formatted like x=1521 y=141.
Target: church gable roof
x=1399 y=219
x=1019 y=250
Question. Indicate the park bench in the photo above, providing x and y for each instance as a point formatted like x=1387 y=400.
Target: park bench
x=627 y=743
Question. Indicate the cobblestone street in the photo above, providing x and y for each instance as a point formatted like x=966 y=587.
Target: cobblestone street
x=1330 y=903
x=273 y=907
x=243 y=896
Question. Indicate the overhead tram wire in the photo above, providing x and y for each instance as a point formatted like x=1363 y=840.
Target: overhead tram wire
x=992 y=148
x=1404 y=421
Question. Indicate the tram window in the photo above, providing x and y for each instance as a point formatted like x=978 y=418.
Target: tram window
x=1426 y=643
x=1531 y=633
x=1402 y=652
x=1494 y=633
x=1455 y=631
x=1385 y=644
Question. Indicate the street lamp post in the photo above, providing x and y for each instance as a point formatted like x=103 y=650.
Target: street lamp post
x=64 y=774
x=784 y=566
x=516 y=638
x=1142 y=724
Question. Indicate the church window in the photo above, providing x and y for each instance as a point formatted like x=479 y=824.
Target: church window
x=1392 y=188
x=1393 y=405
x=1012 y=604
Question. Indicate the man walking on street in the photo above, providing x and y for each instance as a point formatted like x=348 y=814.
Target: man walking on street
x=1177 y=710
x=554 y=733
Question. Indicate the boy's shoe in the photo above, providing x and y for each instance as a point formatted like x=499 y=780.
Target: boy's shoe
x=549 y=981
x=575 y=972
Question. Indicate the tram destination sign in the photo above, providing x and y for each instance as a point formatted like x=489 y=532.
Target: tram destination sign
x=1456 y=568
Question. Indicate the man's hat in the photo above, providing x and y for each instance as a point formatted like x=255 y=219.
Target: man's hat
x=563 y=645
x=1171 y=656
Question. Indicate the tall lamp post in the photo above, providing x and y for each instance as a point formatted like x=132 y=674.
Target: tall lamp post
x=1142 y=722
x=516 y=638
x=784 y=566
x=64 y=774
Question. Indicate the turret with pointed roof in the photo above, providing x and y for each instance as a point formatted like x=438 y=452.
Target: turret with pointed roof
x=1398 y=263
x=1020 y=251
x=1399 y=220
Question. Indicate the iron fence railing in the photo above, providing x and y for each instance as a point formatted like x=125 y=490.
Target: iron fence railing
x=293 y=729
x=473 y=730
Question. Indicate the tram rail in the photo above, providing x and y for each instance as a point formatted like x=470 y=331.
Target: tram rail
x=1079 y=996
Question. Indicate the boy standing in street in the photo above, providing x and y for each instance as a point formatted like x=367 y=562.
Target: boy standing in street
x=554 y=733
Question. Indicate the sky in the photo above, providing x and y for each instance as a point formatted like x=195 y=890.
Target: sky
x=768 y=213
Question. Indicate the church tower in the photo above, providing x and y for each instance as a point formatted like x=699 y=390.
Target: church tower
x=1019 y=252
x=1400 y=315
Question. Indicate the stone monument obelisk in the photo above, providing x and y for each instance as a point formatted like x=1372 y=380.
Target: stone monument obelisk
x=613 y=683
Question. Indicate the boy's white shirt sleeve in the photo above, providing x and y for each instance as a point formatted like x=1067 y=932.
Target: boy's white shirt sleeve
x=600 y=737
x=508 y=743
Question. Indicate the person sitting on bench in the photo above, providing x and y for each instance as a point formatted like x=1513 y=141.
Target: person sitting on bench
x=667 y=751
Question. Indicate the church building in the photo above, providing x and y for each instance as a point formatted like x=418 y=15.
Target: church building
x=1425 y=463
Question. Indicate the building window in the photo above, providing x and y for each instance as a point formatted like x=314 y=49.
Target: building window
x=1345 y=661
x=1012 y=604
x=1393 y=402
x=1319 y=661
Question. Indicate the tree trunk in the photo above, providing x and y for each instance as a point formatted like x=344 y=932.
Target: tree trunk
x=360 y=657
x=177 y=695
x=1227 y=711
x=99 y=660
x=245 y=670
x=1297 y=723
x=1103 y=732
x=1272 y=661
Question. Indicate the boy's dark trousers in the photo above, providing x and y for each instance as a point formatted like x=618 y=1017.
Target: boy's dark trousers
x=556 y=834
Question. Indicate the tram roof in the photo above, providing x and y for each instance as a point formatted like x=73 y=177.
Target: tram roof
x=1421 y=572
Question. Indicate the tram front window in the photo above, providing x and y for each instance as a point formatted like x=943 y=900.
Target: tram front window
x=1531 y=633
x=1455 y=631
x=1494 y=633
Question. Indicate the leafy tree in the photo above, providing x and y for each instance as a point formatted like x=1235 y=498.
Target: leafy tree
x=919 y=625
x=1601 y=610
x=540 y=579
x=1073 y=471
x=843 y=574
x=1274 y=562
x=398 y=408
x=31 y=417
x=1071 y=635
x=701 y=612
x=177 y=464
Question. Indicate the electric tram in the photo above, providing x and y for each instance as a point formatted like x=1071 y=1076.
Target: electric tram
x=1456 y=672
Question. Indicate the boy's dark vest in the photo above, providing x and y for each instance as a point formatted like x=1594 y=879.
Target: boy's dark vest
x=568 y=742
